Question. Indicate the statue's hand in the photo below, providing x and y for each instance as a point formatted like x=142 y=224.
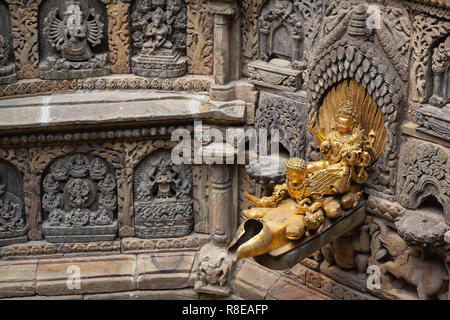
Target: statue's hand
x=264 y=202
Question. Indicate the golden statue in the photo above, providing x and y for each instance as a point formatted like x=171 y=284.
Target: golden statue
x=351 y=137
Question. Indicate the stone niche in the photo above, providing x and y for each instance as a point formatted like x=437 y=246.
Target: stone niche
x=13 y=226
x=163 y=201
x=79 y=200
x=159 y=38
x=281 y=47
x=7 y=64
x=73 y=39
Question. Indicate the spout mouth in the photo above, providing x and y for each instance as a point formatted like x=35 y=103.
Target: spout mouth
x=252 y=238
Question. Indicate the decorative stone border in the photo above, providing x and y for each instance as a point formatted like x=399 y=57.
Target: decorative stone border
x=129 y=82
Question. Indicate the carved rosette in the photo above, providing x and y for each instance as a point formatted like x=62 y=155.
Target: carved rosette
x=79 y=200
x=13 y=226
x=163 y=201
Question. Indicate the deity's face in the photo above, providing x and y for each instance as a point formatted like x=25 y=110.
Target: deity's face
x=75 y=21
x=295 y=177
x=344 y=124
x=157 y=19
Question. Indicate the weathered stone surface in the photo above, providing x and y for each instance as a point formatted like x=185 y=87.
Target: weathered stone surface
x=71 y=297
x=74 y=108
x=253 y=281
x=97 y=274
x=285 y=289
x=17 y=278
x=164 y=270
x=183 y=294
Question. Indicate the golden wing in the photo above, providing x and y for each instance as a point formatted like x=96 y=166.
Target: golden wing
x=368 y=115
x=322 y=181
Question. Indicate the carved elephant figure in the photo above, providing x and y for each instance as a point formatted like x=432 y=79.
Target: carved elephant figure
x=428 y=276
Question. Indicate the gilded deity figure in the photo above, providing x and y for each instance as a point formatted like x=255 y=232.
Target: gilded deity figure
x=351 y=137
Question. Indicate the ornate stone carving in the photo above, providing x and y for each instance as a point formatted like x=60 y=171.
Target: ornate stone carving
x=79 y=200
x=402 y=264
x=199 y=42
x=424 y=171
x=286 y=115
x=440 y=63
x=24 y=19
x=7 y=61
x=162 y=193
x=159 y=34
x=13 y=227
x=281 y=38
x=250 y=11
x=426 y=32
x=73 y=42
x=119 y=37
x=213 y=271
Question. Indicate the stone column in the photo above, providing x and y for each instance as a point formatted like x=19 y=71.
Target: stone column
x=119 y=37
x=214 y=266
x=225 y=68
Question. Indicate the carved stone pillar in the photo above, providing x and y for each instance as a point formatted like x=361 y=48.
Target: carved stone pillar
x=226 y=52
x=119 y=37
x=214 y=265
x=24 y=20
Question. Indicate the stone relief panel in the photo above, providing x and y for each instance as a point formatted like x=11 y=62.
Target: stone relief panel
x=119 y=39
x=13 y=226
x=73 y=39
x=424 y=171
x=24 y=20
x=199 y=41
x=440 y=63
x=427 y=32
x=79 y=200
x=163 y=200
x=159 y=38
x=408 y=271
x=7 y=60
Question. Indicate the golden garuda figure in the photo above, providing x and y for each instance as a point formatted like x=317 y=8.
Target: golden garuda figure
x=351 y=137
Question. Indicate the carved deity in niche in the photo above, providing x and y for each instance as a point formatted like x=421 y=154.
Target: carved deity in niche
x=163 y=197
x=441 y=81
x=7 y=63
x=13 y=226
x=281 y=46
x=79 y=199
x=159 y=35
x=72 y=31
x=351 y=137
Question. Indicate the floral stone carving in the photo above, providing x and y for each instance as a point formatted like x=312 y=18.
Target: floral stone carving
x=79 y=200
x=7 y=63
x=163 y=201
x=159 y=38
x=281 y=46
x=13 y=227
x=72 y=37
